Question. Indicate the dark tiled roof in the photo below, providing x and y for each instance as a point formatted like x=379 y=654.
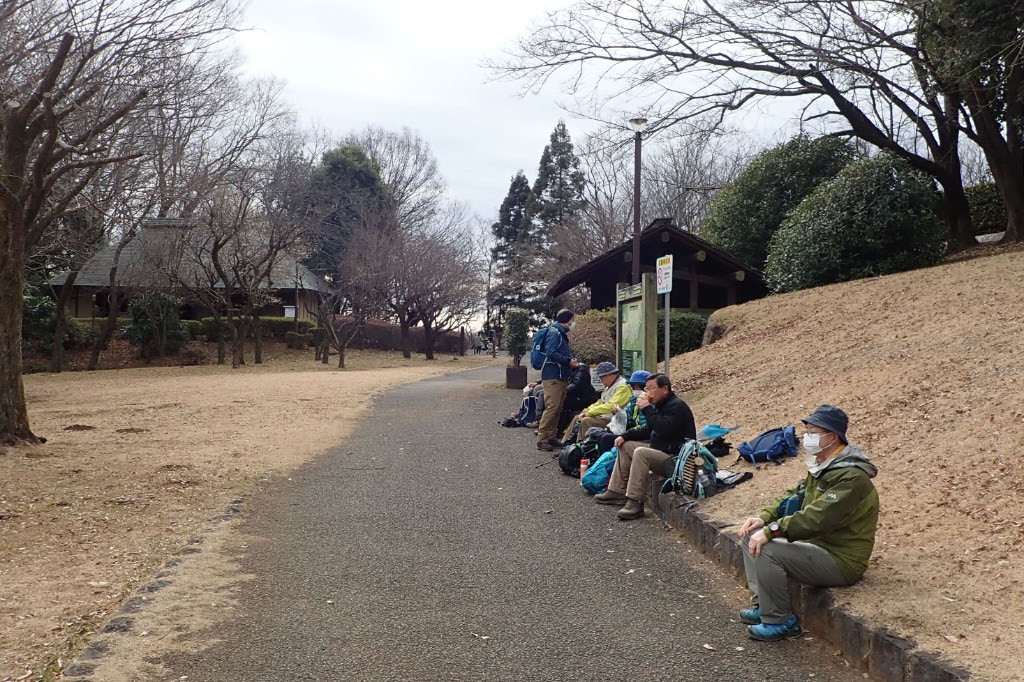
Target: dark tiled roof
x=139 y=263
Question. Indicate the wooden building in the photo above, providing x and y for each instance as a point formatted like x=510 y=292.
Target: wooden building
x=143 y=265
x=705 y=278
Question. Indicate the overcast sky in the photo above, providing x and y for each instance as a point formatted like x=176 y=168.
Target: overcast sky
x=394 y=63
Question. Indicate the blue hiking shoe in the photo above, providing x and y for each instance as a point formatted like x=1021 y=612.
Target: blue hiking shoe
x=773 y=632
x=751 y=616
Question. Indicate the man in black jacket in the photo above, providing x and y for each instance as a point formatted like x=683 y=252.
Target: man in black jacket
x=669 y=425
x=579 y=394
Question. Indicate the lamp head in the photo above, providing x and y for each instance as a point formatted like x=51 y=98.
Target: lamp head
x=638 y=124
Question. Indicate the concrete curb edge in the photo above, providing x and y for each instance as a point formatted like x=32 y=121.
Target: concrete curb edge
x=882 y=654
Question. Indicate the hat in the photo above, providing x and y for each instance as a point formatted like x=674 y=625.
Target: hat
x=606 y=368
x=639 y=377
x=830 y=418
x=564 y=315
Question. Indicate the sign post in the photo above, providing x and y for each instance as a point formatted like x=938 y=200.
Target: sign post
x=665 y=287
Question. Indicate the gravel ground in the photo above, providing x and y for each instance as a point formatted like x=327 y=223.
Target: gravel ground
x=429 y=546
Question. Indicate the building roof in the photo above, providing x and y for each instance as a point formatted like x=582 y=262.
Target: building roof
x=139 y=265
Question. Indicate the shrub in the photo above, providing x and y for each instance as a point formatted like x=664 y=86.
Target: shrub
x=156 y=325
x=988 y=210
x=39 y=315
x=686 y=332
x=79 y=334
x=516 y=333
x=743 y=216
x=593 y=338
x=273 y=327
x=195 y=328
x=877 y=216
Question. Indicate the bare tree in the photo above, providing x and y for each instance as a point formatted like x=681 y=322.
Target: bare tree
x=854 y=67
x=449 y=288
x=69 y=72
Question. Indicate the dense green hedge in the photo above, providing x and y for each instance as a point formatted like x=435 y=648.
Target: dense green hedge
x=877 y=216
x=746 y=213
x=686 y=331
x=273 y=327
x=988 y=210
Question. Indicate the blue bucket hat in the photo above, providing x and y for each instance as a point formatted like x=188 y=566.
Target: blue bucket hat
x=606 y=368
x=639 y=377
x=830 y=418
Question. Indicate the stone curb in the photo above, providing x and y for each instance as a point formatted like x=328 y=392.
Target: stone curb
x=882 y=654
x=82 y=667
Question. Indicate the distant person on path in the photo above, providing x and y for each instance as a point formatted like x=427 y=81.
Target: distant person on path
x=826 y=543
x=599 y=413
x=669 y=425
x=554 y=374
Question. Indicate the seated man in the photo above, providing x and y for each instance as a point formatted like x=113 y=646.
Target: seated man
x=669 y=425
x=598 y=414
x=579 y=394
x=826 y=543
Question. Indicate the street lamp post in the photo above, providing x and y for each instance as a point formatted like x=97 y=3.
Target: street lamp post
x=637 y=124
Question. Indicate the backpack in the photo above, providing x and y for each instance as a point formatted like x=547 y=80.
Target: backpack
x=527 y=413
x=569 y=457
x=596 y=479
x=770 y=445
x=695 y=473
x=537 y=355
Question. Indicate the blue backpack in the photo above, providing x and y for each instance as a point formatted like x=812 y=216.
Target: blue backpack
x=596 y=479
x=537 y=354
x=771 y=445
x=695 y=472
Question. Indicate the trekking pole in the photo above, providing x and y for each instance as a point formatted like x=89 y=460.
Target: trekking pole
x=547 y=462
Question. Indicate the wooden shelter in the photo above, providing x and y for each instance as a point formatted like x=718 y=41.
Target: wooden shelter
x=705 y=278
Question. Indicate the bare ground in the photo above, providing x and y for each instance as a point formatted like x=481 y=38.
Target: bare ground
x=137 y=461
x=930 y=367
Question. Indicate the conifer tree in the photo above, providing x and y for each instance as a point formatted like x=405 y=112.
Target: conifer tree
x=514 y=251
x=558 y=191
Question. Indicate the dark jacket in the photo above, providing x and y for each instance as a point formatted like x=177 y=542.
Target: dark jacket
x=580 y=391
x=557 y=353
x=669 y=425
x=839 y=512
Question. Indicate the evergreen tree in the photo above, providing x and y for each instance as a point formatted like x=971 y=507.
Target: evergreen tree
x=348 y=191
x=558 y=192
x=514 y=251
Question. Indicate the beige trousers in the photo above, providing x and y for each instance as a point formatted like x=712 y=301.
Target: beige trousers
x=633 y=468
x=554 y=396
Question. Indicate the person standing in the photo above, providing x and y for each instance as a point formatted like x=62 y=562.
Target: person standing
x=554 y=375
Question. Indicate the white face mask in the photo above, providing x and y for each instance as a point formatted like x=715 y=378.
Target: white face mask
x=812 y=446
x=572 y=325
x=637 y=392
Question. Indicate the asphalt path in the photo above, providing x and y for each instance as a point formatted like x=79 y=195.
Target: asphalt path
x=448 y=555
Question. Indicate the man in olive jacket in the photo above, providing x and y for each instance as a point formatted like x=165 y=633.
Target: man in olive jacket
x=826 y=543
x=669 y=425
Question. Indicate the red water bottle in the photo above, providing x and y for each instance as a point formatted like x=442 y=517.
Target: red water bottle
x=584 y=465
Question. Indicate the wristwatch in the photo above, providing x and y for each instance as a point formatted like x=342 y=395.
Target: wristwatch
x=773 y=530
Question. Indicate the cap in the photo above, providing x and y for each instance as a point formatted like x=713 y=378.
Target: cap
x=830 y=418
x=639 y=377
x=606 y=368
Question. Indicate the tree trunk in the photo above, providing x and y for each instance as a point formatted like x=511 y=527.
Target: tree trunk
x=107 y=330
x=958 y=215
x=222 y=350
x=341 y=356
x=429 y=338
x=60 y=323
x=405 y=341
x=257 y=341
x=14 y=427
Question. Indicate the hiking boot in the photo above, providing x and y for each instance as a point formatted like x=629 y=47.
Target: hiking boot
x=555 y=443
x=751 y=616
x=632 y=510
x=773 y=632
x=546 y=446
x=610 y=497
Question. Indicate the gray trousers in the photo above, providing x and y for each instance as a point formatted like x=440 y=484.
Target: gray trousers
x=767 y=574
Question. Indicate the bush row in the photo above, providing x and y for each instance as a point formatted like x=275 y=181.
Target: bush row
x=593 y=339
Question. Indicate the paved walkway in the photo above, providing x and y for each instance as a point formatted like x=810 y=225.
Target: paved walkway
x=449 y=556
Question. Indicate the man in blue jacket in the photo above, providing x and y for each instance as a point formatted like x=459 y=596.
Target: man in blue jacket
x=554 y=375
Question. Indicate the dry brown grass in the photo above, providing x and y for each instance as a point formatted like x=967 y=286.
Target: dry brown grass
x=929 y=365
